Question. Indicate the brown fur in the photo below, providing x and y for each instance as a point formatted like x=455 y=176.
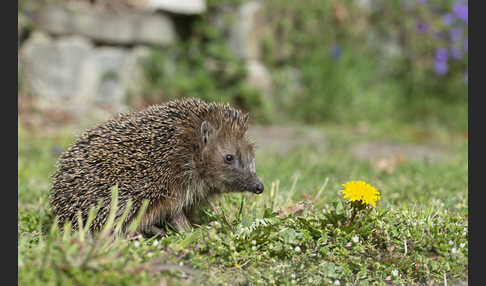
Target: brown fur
x=171 y=155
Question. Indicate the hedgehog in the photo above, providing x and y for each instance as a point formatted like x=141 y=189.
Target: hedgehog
x=175 y=156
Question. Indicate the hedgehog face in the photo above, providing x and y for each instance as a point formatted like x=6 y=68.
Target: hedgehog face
x=229 y=161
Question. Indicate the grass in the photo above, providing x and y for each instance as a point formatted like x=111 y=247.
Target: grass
x=292 y=234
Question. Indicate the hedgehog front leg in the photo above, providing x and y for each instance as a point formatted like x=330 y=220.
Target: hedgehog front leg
x=151 y=230
x=180 y=222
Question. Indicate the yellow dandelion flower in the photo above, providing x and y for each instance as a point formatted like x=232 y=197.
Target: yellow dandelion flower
x=360 y=191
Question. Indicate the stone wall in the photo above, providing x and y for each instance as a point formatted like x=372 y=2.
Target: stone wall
x=82 y=56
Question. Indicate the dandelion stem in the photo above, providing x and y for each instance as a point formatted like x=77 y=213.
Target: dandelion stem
x=352 y=217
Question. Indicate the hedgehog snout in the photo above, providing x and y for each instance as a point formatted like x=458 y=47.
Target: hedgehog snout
x=258 y=187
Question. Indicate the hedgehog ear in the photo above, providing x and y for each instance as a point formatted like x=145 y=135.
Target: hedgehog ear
x=246 y=118
x=207 y=132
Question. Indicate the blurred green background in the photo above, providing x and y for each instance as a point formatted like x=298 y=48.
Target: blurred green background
x=329 y=61
x=381 y=64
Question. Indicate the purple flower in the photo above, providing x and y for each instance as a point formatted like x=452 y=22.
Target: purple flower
x=456 y=34
x=56 y=150
x=422 y=1
x=422 y=27
x=440 y=35
x=456 y=52
x=465 y=45
x=448 y=19
x=441 y=68
x=460 y=10
x=441 y=55
x=336 y=52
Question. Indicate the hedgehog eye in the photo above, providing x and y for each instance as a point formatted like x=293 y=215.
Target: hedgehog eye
x=228 y=158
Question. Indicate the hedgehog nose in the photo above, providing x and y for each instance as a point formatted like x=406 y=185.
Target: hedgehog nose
x=258 y=188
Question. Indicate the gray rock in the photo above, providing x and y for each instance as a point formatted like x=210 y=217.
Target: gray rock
x=132 y=74
x=259 y=77
x=369 y=5
x=244 y=40
x=57 y=70
x=71 y=73
x=247 y=30
x=109 y=62
x=125 y=27
x=189 y=7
